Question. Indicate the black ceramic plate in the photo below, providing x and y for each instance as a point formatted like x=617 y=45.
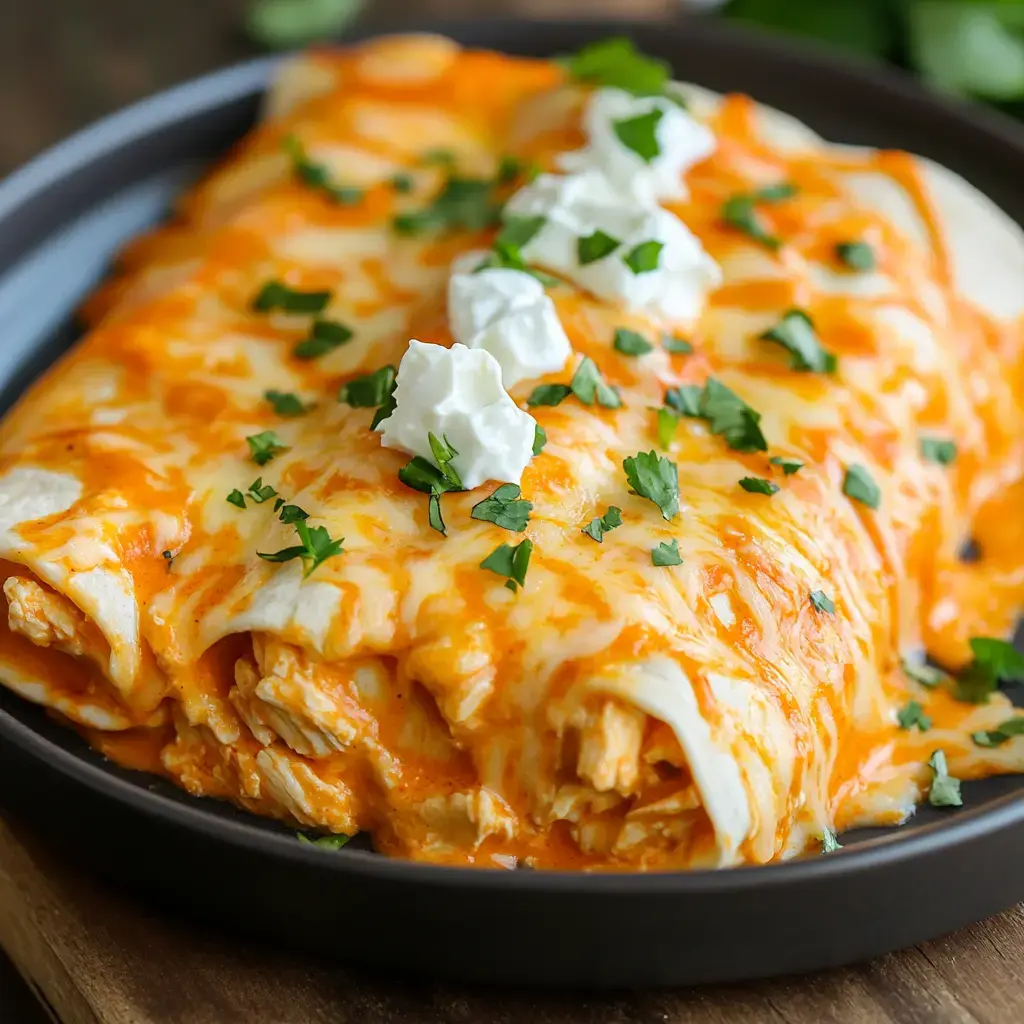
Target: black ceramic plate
x=60 y=220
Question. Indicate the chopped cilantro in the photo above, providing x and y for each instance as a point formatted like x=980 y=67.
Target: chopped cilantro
x=668 y=423
x=944 y=790
x=640 y=134
x=275 y=295
x=315 y=548
x=630 y=343
x=667 y=554
x=286 y=403
x=325 y=336
x=740 y=212
x=600 y=525
x=789 y=466
x=504 y=508
x=370 y=390
x=591 y=248
x=587 y=385
x=656 y=479
x=549 y=394
x=911 y=714
x=795 y=333
x=994 y=661
x=462 y=204
x=292 y=514
x=926 y=675
x=616 y=63
x=856 y=255
x=264 y=446
x=434 y=514
x=333 y=842
x=402 y=182
x=758 y=485
x=935 y=449
x=510 y=561
x=731 y=417
x=685 y=400
x=540 y=438
x=438 y=156
x=443 y=454
x=821 y=602
x=1003 y=734
x=316 y=176
x=236 y=497
x=260 y=492
x=859 y=485
x=519 y=231
x=830 y=841
x=676 y=346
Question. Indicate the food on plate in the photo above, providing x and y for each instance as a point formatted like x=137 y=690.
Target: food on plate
x=537 y=463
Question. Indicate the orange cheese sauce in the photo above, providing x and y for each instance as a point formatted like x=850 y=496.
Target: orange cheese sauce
x=401 y=689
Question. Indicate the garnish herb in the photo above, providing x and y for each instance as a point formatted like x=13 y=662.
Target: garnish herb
x=859 y=485
x=422 y=475
x=676 y=346
x=591 y=248
x=275 y=295
x=402 y=183
x=314 y=549
x=236 y=497
x=439 y=156
x=600 y=525
x=643 y=258
x=668 y=423
x=656 y=479
x=549 y=394
x=994 y=661
x=640 y=134
x=510 y=561
x=1003 y=734
x=370 y=390
x=935 y=449
x=629 y=343
x=685 y=400
x=540 y=438
x=731 y=417
x=740 y=212
x=821 y=602
x=286 y=403
x=587 y=385
x=944 y=790
x=264 y=446
x=292 y=514
x=325 y=336
x=260 y=492
x=463 y=203
x=618 y=64
x=316 y=176
x=789 y=466
x=856 y=255
x=443 y=454
x=830 y=842
x=667 y=554
x=520 y=231
x=434 y=517
x=504 y=508
x=795 y=333
x=911 y=714
x=334 y=842
x=926 y=675
x=758 y=485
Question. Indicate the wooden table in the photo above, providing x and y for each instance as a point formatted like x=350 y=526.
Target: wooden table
x=97 y=959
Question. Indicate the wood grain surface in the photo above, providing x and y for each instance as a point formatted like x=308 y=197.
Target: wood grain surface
x=99 y=959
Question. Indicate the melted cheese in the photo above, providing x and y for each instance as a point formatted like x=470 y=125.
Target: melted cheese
x=611 y=714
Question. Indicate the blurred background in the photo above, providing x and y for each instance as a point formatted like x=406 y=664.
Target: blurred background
x=64 y=63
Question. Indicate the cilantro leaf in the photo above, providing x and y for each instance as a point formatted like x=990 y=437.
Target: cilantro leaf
x=504 y=508
x=911 y=714
x=540 y=438
x=467 y=204
x=926 y=675
x=644 y=258
x=325 y=336
x=994 y=661
x=656 y=479
x=667 y=554
x=434 y=513
x=795 y=333
x=402 y=182
x=236 y=497
x=675 y=346
x=519 y=231
x=264 y=446
x=859 y=485
x=740 y=212
x=332 y=842
x=286 y=403
x=275 y=295
x=685 y=400
x=789 y=466
x=668 y=423
x=616 y=63
x=260 y=492
x=587 y=385
x=630 y=343
x=821 y=602
x=830 y=841
x=757 y=485
x=443 y=454
x=600 y=525
x=510 y=561
x=936 y=449
x=731 y=417
x=1002 y=734
x=640 y=134
x=591 y=248
x=314 y=549
x=549 y=394
x=316 y=176
x=944 y=790
x=856 y=255
x=372 y=389
x=292 y=514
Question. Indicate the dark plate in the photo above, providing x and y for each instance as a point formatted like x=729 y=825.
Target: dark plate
x=60 y=220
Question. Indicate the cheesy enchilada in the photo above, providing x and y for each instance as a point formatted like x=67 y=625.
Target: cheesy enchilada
x=567 y=473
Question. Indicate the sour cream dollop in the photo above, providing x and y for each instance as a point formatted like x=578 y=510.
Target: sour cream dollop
x=456 y=394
